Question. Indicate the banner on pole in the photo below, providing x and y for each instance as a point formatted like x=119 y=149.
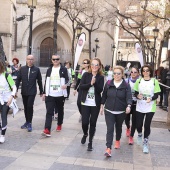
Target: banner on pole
x=139 y=52
x=79 y=47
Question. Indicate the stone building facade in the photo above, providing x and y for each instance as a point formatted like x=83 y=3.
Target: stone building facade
x=42 y=34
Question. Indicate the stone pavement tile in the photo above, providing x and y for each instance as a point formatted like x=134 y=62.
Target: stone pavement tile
x=59 y=166
x=142 y=167
x=84 y=162
x=19 y=141
x=32 y=160
x=9 y=153
x=5 y=161
x=47 y=149
x=20 y=168
x=123 y=166
x=160 y=168
x=160 y=155
x=66 y=160
x=104 y=164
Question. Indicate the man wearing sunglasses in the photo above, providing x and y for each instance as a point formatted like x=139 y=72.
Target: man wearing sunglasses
x=55 y=93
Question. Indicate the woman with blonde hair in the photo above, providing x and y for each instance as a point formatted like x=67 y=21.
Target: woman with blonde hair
x=91 y=86
x=117 y=99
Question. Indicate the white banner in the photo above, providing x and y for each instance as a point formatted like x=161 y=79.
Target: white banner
x=139 y=52
x=79 y=47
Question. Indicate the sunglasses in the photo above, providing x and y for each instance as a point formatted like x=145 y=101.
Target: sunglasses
x=134 y=72
x=146 y=71
x=117 y=73
x=95 y=65
x=55 y=59
x=85 y=63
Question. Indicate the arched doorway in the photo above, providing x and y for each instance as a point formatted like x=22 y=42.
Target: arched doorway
x=46 y=50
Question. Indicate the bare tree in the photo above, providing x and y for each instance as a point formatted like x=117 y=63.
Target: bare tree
x=134 y=17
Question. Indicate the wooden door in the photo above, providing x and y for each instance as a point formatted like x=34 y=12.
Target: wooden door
x=46 y=50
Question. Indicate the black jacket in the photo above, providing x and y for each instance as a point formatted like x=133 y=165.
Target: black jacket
x=85 y=84
x=63 y=74
x=29 y=87
x=116 y=99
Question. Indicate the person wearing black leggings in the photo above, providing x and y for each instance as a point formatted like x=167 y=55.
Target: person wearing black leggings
x=91 y=86
x=131 y=129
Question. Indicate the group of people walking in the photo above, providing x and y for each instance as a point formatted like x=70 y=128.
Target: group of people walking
x=117 y=98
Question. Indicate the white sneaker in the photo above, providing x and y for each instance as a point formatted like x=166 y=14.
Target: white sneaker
x=2 y=139
x=145 y=149
x=139 y=140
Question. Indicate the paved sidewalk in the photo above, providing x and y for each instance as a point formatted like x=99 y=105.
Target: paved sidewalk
x=24 y=150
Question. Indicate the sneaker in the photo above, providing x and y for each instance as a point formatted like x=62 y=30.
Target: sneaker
x=139 y=140
x=25 y=125
x=83 y=140
x=128 y=132
x=80 y=119
x=108 y=152
x=117 y=144
x=145 y=148
x=2 y=139
x=46 y=132
x=130 y=140
x=58 y=129
x=29 y=128
x=89 y=148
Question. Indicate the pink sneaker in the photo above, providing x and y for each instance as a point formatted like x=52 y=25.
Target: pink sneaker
x=46 y=132
x=128 y=132
x=131 y=140
x=117 y=144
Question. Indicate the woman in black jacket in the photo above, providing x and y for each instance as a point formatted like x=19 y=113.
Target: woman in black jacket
x=91 y=86
x=117 y=98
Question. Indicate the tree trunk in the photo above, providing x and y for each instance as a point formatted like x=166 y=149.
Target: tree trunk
x=90 y=45
x=57 y=2
x=2 y=53
x=73 y=40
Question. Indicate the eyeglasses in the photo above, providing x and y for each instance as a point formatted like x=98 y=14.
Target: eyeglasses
x=55 y=59
x=85 y=63
x=134 y=72
x=95 y=65
x=146 y=71
x=117 y=73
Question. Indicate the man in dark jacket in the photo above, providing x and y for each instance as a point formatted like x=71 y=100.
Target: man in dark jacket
x=29 y=74
x=55 y=91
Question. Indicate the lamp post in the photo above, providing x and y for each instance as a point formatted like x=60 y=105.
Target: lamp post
x=155 y=36
x=148 y=48
x=118 y=59
x=78 y=30
x=96 y=42
x=113 y=49
x=31 y=4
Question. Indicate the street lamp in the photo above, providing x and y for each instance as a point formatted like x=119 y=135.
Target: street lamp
x=113 y=49
x=78 y=30
x=118 y=59
x=31 y=4
x=148 y=48
x=155 y=36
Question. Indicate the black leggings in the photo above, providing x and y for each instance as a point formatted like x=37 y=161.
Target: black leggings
x=127 y=120
x=147 y=124
x=68 y=91
x=89 y=115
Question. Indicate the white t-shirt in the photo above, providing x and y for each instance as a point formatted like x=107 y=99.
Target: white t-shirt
x=55 y=83
x=5 y=92
x=90 y=98
x=132 y=90
x=146 y=88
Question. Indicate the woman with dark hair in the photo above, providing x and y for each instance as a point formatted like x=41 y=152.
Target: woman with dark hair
x=85 y=66
x=146 y=90
x=7 y=93
x=134 y=75
x=15 y=68
x=91 y=86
